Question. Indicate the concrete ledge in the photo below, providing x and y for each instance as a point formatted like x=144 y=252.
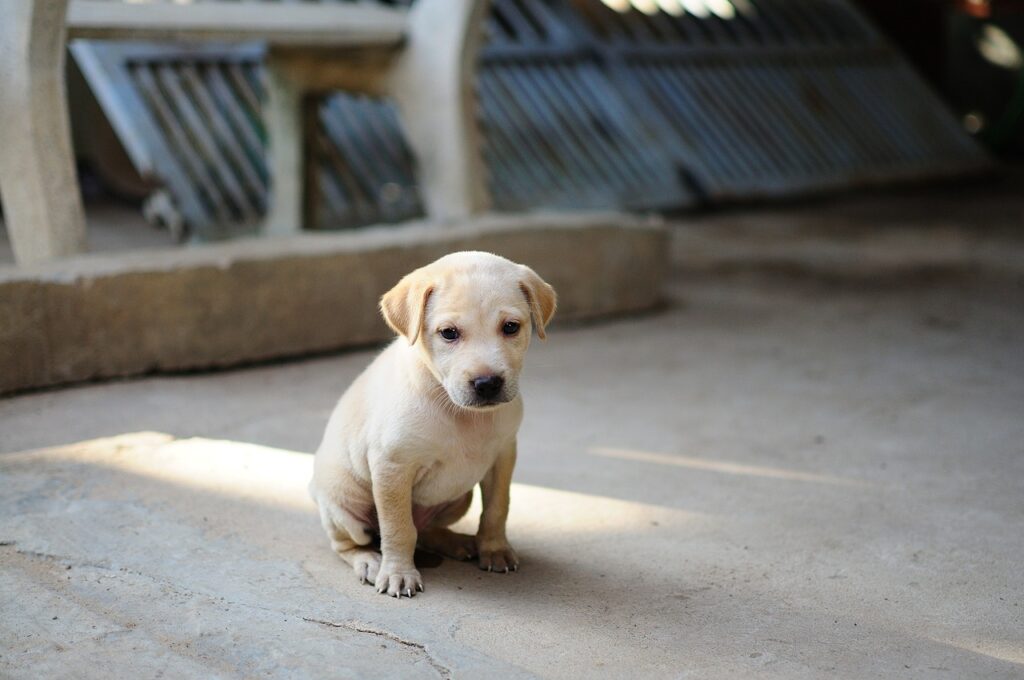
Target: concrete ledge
x=245 y=301
x=338 y=26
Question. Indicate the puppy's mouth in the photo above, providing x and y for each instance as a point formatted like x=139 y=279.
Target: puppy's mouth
x=487 y=404
x=473 y=402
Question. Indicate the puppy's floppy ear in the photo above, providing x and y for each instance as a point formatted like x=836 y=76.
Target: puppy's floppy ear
x=541 y=297
x=405 y=305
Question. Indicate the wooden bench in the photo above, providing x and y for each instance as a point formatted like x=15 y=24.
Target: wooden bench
x=422 y=58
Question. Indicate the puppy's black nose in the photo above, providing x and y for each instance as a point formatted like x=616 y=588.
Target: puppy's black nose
x=488 y=386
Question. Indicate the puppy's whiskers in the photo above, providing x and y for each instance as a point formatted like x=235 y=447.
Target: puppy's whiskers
x=441 y=400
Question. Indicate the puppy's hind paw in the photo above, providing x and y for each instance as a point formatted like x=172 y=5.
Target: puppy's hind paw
x=367 y=566
x=501 y=559
x=448 y=543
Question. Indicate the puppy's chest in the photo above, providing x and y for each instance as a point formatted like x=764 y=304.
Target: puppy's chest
x=453 y=468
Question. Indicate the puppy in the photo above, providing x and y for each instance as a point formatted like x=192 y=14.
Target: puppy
x=435 y=414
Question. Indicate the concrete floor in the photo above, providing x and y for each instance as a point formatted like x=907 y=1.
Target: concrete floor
x=810 y=464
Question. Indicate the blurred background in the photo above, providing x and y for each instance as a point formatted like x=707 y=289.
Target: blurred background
x=649 y=105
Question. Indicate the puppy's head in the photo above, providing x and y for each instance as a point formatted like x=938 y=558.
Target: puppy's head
x=471 y=315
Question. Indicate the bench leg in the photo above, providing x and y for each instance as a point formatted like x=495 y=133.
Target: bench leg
x=284 y=118
x=38 y=184
x=432 y=83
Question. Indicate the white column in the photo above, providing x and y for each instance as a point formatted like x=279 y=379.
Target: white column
x=38 y=185
x=284 y=119
x=432 y=83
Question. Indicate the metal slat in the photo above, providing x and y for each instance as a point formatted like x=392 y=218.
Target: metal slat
x=835 y=150
x=342 y=118
x=589 y=149
x=530 y=119
x=635 y=160
x=247 y=85
x=335 y=204
x=246 y=122
x=703 y=136
x=798 y=155
x=866 y=83
x=668 y=121
x=345 y=145
x=254 y=186
x=593 y=149
x=351 y=175
x=529 y=167
x=574 y=159
x=710 y=126
x=524 y=30
x=355 y=207
x=205 y=185
x=744 y=115
x=699 y=86
x=203 y=143
x=367 y=152
x=388 y=126
x=859 y=117
x=651 y=175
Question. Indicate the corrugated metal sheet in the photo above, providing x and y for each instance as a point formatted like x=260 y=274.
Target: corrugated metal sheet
x=190 y=117
x=559 y=132
x=364 y=169
x=717 y=100
x=663 y=104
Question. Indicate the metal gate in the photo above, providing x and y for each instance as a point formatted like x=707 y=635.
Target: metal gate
x=632 y=104
x=662 y=102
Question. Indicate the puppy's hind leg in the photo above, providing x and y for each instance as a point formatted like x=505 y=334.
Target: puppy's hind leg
x=351 y=547
x=438 y=538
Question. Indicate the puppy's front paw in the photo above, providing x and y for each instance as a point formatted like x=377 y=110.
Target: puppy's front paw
x=497 y=557
x=397 y=580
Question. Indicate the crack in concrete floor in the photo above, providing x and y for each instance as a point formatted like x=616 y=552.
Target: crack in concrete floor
x=441 y=669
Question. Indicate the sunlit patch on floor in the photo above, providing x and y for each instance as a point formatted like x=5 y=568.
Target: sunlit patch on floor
x=542 y=511
x=1003 y=650
x=251 y=472
x=279 y=478
x=721 y=466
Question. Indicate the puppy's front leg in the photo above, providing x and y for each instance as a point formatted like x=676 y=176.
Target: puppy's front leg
x=494 y=552
x=392 y=495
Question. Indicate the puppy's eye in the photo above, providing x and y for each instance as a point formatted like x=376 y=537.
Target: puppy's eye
x=449 y=334
x=510 y=328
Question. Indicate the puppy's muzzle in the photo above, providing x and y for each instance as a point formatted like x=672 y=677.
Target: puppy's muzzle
x=487 y=388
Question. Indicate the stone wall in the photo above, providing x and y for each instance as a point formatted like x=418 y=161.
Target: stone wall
x=247 y=301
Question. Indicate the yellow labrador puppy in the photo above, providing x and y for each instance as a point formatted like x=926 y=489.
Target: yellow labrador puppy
x=435 y=414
